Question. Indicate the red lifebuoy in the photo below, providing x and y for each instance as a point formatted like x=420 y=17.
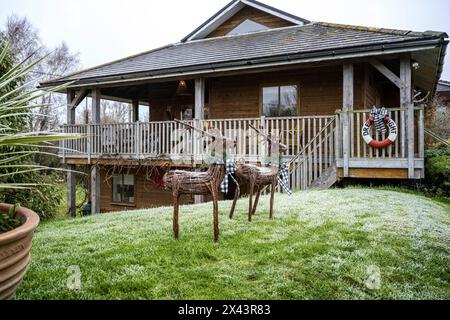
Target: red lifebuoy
x=380 y=144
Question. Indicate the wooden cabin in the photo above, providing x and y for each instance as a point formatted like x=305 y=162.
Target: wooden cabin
x=311 y=83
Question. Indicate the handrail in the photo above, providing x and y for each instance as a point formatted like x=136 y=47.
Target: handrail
x=304 y=159
x=369 y=110
x=312 y=141
x=206 y=120
x=436 y=137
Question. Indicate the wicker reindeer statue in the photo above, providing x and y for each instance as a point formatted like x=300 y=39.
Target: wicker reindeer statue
x=200 y=183
x=258 y=178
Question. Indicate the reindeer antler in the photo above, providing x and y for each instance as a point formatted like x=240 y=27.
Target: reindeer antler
x=268 y=138
x=203 y=132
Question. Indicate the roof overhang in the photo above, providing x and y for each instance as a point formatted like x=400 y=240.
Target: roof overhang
x=268 y=62
x=230 y=10
x=443 y=86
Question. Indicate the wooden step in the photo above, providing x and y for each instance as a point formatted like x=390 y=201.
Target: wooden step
x=327 y=179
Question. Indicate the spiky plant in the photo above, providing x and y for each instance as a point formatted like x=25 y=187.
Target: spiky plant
x=17 y=145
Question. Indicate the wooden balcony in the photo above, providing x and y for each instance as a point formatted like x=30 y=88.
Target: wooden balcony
x=172 y=141
x=315 y=144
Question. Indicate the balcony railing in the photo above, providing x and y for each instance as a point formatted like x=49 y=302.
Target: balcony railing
x=358 y=149
x=171 y=140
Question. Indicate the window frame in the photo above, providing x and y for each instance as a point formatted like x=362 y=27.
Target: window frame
x=279 y=85
x=134 y=190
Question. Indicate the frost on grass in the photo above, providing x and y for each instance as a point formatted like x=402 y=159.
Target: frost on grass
x=321 y=244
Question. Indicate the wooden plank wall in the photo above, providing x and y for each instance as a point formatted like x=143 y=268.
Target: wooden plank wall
x=320 y=91
x=146 y=196
x=379 y=91
x=252 y=14
x=240 y=96
x=171 y=103
x=375 y=173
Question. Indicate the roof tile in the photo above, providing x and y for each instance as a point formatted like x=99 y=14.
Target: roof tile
x=276 y=42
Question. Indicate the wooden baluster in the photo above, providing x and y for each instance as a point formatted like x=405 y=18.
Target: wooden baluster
x=309 y=152
x=315 y=171
x=303 y=135
x=363 y=142
x=358 y=135
x=352 y=133
x=421 y=131
x=298 y=131
x=396 y=119
x=320 y=148
x=325 y=145
x=403 y=132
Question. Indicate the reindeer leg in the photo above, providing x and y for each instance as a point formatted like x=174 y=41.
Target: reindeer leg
x=258 y=194
x=250 y=199
x=215 y=212
x=272 y=196
x=176 y=198
x=236 y=197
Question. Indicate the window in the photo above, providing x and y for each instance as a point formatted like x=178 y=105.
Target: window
x=246 y=27
x=280 y=101
x=123 y=188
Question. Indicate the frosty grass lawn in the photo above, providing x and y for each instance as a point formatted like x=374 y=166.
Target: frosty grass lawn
x=321 y=245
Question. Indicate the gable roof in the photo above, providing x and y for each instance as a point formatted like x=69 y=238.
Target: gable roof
x=289 y=45
x=231 y=9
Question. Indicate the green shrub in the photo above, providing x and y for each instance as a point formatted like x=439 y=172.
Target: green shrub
x=437 y=165
x=22 y=180
x=44 y=199
x=8 y=221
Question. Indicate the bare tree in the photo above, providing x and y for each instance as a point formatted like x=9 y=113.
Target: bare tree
x=21 y=36
x=25 y=41
x=59 y=62
x=114 y=112
x=437 y=117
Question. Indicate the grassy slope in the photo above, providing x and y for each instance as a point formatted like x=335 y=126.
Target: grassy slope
x=320 y=246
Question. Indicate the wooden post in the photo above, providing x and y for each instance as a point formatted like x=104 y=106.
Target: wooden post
x=348 y=95
x=200 y=98
x=71 y=183
x=199 y=116
x=71 y=196
x=407 y=103
x=96 y=96
x=421 y=129
x=135 y=110
x=95 y=172
x=70 y=108
x=95 y=190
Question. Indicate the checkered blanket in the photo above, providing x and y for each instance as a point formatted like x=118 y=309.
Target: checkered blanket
x=378 y=116
x=283 y=178
x=230 y=169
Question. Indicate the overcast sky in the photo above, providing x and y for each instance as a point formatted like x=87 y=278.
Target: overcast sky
x=105 y=30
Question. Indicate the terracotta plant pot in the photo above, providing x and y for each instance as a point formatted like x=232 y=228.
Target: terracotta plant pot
x=15 y=247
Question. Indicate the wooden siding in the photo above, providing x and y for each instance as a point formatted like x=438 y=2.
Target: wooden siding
x=252 y=14
x=145 y=194
x=320 y=92
x=161 y=107
x=372 y=173
x=370 y=88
